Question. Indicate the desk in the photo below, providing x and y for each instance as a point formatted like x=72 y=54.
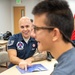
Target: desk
x=48 y=64
x=3 y=43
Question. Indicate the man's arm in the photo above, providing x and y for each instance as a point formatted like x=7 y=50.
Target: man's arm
x=13 y=57
x=39 y=56
x=35 y=57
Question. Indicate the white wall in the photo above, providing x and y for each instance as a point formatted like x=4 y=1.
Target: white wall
x=72 y=5
x=6 y=12
x=29 y=4
x=5 y=16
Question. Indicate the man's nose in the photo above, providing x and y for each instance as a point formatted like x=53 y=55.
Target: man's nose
x=25 y=28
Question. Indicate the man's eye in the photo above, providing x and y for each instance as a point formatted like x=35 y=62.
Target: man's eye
x=27 y=26
x=22 y=26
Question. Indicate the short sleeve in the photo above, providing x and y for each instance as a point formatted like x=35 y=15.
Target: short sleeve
x=12 y=42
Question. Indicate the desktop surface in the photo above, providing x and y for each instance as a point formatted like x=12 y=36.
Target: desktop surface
x=47 y=64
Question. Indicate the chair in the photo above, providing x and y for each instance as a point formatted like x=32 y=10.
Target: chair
x=4 y=58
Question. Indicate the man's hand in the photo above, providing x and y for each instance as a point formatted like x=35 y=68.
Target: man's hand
x=28 y=62
x=25 y=63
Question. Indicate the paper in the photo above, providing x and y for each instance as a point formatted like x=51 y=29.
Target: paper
x=33 y=68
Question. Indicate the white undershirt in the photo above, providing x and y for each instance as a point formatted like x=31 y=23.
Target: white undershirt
x=26 y=40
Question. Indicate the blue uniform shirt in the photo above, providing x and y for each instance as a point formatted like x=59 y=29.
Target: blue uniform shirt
x=24 y=50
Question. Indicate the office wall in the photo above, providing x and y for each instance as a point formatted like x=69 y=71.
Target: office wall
x=72 y=5
x=5 y=18
x=6 y=12
x=29 y=4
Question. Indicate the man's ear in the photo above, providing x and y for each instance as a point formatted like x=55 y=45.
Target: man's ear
x=56 y=34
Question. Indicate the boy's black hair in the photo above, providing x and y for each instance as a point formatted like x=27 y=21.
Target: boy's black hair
x=58 y=14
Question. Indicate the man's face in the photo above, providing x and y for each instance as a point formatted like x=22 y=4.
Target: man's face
x=43 y=36
x=25 y=27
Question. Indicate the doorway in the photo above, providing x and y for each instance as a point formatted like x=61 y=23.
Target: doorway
x=18 y=13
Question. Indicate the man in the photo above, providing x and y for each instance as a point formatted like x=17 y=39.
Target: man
x=21 y=46
x=53 y=26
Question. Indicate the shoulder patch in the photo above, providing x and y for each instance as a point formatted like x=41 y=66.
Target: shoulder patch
x=10 y=42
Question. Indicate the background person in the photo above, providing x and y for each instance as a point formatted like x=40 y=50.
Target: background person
x=73 y=33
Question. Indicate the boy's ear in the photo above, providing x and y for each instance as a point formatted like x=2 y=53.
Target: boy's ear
x=56 y=34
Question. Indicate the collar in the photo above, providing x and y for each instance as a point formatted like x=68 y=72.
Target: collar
x=21 y=38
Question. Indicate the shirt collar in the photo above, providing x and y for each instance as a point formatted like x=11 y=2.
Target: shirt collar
x=21 y=38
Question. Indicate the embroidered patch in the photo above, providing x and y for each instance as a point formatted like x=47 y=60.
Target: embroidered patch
x=10 y=42
x=33 y=45
x=20 y=45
